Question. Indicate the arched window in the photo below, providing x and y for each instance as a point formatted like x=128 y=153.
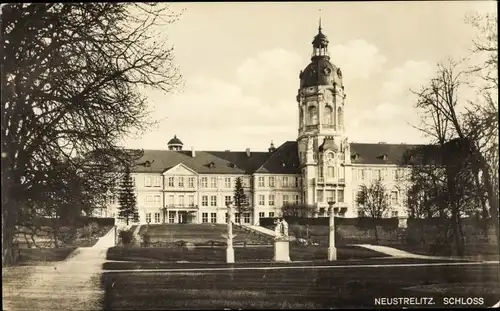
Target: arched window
x=313 y=115
x=328 y=116
x=341 y=116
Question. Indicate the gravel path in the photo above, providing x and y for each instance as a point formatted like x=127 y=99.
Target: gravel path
x=394 y=252
x=73 y=284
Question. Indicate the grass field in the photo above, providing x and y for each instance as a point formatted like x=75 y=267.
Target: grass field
x=146 y=256
x=303 y=287
x=35 y=256
x=200 y=234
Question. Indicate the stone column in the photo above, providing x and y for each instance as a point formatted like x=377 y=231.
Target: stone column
x=230 y=249
x=332 y=251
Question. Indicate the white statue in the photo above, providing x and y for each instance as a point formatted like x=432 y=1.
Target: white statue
x=310 y=144
x=277 y=229
x=284 y=228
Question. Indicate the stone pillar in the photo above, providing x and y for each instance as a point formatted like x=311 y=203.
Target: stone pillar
x=332 y=250
x=402 y=221
x=229 y=249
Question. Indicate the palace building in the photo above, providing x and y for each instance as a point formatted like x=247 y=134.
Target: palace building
x=322 y=165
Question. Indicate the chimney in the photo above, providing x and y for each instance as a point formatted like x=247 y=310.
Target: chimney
x=248 y=152
x=193 y=153
x=272 y=148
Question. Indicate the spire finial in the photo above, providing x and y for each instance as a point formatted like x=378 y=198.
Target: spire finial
x=319 y=28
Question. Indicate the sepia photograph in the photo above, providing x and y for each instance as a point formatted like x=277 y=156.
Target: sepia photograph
x=250 y=155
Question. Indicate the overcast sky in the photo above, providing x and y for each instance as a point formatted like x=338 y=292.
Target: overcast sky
x=241 y=61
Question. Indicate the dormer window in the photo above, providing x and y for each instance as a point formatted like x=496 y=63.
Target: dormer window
x=355 y=156
x=384 y=157
x=211 y=165
x=147 y=164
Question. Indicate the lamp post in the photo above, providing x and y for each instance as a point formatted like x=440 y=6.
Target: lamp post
x=332 y=251
x=230 y=249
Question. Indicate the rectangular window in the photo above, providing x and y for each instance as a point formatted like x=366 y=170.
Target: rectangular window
x=191 y=200
x=340 y=195
x=213 y=182
x=157 y=218
x=394 y=213
x=378 y=174
x=227 y=200
x=271 y=214
x=261 y=181
x=157 y=181
x=296 y=199
x=361 y=174
x=285 y=200
x=181 y=182
x=354 y=174
x=148 y=181
x=296 y=182
x=271 y=200
x=226 y=218
x=171 y=181
x=227 y=182
x=321 y=171
x=246 y=218
x=157 y=199
x=213 y=218
x=261 y=215
x=394 y=197
x=262 y=199
x=204 y=182
x=320 y=196
x=271 y=181
x=204 y=217
x=204 y=200
x=213 y=200
x=245 y=182
x=330 y=195
x=133 y=180
x=285 y=181
x=395 y=174
x=191 y=182
x=171 y=217
x=181 y=200
x=148 y=200
x=171 y=200
x=148 y=218
x=237 y=218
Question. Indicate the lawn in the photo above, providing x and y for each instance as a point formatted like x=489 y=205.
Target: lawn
x=303 y=287
x=36 y=256
x=200 y=234
x=151 y=256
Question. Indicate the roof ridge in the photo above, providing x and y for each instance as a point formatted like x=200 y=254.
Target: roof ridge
x=272 y=155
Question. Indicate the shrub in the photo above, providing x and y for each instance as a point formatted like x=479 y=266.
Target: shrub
x=66 y=235
x=126 y=237
x=146 y=240
x=181 y=243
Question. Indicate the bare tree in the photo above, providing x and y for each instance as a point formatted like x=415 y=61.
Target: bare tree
x=71 y=79
x=373 y=201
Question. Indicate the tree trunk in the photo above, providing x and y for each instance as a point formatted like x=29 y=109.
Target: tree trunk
x=9 y=220
x=376 y=231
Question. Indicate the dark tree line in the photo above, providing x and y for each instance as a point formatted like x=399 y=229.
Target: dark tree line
x=71 y=80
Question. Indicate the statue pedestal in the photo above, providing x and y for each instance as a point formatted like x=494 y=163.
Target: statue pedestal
x=281 y=250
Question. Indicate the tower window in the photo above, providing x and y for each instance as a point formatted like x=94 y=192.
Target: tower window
x=328 y=119
x=313 y=115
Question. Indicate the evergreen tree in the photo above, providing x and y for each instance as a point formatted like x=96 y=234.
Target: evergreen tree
x=240 y=199
x=127 y=200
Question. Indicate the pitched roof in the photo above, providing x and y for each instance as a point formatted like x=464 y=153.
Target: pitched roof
x=204 y=162
x=285 y=160
x=395 y=154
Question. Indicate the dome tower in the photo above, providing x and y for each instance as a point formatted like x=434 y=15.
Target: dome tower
x=321 y=141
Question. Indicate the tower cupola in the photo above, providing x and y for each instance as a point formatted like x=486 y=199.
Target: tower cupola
x=175 y=144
